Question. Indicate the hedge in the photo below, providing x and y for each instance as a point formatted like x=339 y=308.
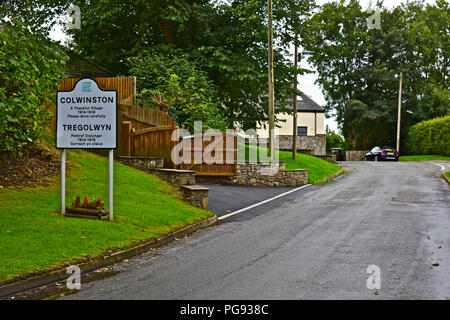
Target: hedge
x=430 y=137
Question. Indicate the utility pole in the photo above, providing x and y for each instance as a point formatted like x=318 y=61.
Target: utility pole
x=294 y=105
x=399 y=111
x=271 y=80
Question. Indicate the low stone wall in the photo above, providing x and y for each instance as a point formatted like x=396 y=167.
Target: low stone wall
x=314 y=145
x=263 y=174
x=174 y=176
x=182 y=180
x=330 y=157
x=355 y=155
x=142 y=163
x=196 y=196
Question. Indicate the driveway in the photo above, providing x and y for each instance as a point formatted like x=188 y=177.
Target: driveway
x=319 y=246
x=223 y=199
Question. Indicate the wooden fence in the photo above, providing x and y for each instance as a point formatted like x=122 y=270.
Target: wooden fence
x=221 y=149
x=125 y=87
x=146 y=133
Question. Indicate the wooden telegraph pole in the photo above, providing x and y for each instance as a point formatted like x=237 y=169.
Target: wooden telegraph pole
x=399 y=111
x=294 y=105
x=271 y=84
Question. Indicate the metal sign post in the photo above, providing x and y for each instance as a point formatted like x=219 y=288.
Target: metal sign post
x=111 y=168
x=63 y=181
x=86 y=118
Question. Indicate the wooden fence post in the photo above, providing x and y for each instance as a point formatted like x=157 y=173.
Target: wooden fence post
x=126 y=142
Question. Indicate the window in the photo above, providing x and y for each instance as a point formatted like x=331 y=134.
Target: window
x=376 y=149
x=302 y=131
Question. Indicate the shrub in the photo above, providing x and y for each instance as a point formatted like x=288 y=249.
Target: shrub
x=430 y=137
x=30 y=66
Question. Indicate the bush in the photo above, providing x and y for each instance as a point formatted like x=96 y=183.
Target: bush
x=430 y=137
x=30 y=66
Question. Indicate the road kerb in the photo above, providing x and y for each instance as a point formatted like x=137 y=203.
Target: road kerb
x=101 y=261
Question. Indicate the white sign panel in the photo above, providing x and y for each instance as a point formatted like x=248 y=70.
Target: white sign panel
x=86 y=117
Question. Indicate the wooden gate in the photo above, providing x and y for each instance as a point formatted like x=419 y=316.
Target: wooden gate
x=221 y=149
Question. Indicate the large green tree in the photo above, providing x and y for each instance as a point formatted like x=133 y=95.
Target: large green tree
x=358 y=67
x=226 y=40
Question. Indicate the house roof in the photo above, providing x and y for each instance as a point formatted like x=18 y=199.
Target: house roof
x=80 y=67
x=305 y=104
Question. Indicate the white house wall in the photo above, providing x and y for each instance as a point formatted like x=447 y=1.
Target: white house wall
x=304 y=119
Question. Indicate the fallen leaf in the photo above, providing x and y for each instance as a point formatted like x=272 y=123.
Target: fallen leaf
x=396 y=278
x=435 y=264
x=400 y=292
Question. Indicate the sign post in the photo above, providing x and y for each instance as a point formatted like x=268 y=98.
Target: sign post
x=86 y=118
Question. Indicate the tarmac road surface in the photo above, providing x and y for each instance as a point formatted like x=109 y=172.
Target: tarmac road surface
x=317 y=245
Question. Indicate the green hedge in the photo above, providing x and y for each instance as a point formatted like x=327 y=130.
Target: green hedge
x=430 y=137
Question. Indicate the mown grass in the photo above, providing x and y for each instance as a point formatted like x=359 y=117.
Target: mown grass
x=426 y=157
x=317 y=168
x=34 y=236
x=448 y=174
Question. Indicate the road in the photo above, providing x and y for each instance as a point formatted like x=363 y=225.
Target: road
x=315 y=246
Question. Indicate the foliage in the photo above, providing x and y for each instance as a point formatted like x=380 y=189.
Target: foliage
x=358 y=68
x=226 y=40
x=430 y=137
x=169 y=81
x=334 y=140
x=30 y=66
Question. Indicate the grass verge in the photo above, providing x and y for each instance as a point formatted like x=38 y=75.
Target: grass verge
x=317 y=168
x=36 y=237
x=426 y=157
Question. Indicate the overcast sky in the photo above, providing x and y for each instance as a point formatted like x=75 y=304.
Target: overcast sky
x=306 y=82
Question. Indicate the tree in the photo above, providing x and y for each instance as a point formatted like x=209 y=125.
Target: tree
x=30 y=67
x=226 y=40
x=358 y=68
x=166 y=79
x=334 y=140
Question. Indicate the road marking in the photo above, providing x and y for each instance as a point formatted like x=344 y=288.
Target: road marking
x=442 y=167
x=262 y=202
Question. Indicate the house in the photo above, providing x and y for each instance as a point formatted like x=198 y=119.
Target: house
x=311 y=137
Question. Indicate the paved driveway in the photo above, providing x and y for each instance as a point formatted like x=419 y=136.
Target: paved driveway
x=393 y=215
x=223 y=199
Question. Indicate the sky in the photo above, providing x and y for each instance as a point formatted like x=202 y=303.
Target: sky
x=306 y=82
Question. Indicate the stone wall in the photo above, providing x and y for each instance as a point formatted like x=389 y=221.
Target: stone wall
x=355 y=155
x=330 y=157
x=263 y=174
x=142 y=163
x=314 y=145
x=182 y=180
x=174 y=176
x=196 y=195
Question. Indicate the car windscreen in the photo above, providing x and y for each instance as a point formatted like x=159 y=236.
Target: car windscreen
x=376 y=149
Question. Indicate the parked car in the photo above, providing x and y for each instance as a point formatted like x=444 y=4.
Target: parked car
x=382 y=154
x=339 y=154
